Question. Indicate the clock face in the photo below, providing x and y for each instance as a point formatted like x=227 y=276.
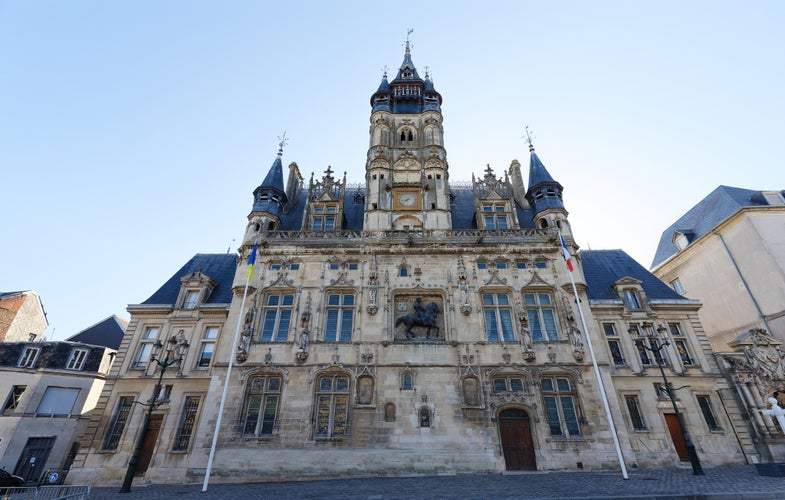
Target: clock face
x=407 y=199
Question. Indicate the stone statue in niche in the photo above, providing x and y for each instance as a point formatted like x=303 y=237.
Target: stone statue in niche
x=466 y=309
x=373 y=290
x=425 y=316
x=304 y=341
x=245 y=337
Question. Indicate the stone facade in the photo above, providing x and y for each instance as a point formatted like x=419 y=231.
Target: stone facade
x=408 y=325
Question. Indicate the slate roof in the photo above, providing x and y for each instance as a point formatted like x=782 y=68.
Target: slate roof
x=602 y=268
x=703 y=217
x=462 y=208
x=218 y=267
x=107 y=333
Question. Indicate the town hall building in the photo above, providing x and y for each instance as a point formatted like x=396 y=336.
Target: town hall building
x=408 y=324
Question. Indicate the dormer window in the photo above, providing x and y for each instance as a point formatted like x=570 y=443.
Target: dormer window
x=191 y=298
x=323 y=218
x=195 y=289
x=495 y=216
x=631 y=300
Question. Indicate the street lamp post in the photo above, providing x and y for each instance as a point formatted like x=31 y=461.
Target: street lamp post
x=655 y=347
x=174 y=354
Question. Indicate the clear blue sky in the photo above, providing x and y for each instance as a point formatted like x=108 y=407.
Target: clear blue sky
x=133 y=133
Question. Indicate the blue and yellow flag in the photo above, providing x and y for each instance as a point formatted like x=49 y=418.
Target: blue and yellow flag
x=251 y=261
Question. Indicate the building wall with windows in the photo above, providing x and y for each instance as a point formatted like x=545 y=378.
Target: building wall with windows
x=50 y=390
x=728 y=251
x=406 y=325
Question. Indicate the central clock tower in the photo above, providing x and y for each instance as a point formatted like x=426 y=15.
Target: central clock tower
x=406 y=170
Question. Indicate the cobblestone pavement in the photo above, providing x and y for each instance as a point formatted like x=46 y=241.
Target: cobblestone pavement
x=719 y=483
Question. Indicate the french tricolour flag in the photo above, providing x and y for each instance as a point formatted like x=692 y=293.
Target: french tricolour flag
x=567 y=256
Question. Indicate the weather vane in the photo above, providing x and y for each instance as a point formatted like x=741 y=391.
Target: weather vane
x=282 y=141
x=529 y=136
x=385 y=70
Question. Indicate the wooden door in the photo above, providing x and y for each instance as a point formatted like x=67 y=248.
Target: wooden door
x=677 y=436
x=150 y=438
x=33 y=458
x=516 y=436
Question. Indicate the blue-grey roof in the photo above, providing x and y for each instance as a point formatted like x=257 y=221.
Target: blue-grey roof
x=274 y=176
x=107 y=333
x=218 y=267
x=603 y=268
x=703 y=217
x=462 y=210
x=538 y=174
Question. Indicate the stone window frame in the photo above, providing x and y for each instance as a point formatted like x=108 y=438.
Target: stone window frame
x=144 y=350
x=275 y=333
x=635 y=413
x=540 y=310
x=206 y=341
x=559 y=396
x=187 y=423
x=338 y=401
x=341 y=308
x=120 y=418
x=498 y=308
x=265 y=393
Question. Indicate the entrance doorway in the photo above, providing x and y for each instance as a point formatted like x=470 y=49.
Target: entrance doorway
x=33 y=458
x=677 y=436
x=148 y=447
x=516 y=436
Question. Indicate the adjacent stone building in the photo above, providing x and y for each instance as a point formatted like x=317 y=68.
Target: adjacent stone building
x=408 y=325
x=728 y=251
x=50 y=390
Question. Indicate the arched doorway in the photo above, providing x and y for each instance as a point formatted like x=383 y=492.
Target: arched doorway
x=516 y=437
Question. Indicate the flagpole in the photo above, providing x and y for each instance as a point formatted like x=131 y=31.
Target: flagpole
x=597 y=374
x=251 y=261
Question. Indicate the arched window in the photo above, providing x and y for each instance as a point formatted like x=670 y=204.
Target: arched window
x=332 y=405
x=407 y=381
x=261 y=405
x=403 y=271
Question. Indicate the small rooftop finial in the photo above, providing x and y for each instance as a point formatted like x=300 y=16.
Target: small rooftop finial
x=385 y=71
x=426 y=72
x=529 y=136
x=408 y=32
x=282 y=141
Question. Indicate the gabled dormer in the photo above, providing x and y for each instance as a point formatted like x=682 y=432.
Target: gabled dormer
x=494 y=202
x=633 y=296
x=324 y=211
x=195 y=289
